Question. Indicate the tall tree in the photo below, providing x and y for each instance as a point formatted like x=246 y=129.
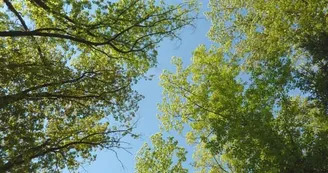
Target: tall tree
x=239 y=126
x=237 y=99
x=66 y=75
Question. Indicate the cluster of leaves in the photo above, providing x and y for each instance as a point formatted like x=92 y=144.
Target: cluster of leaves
x=159 y=158
x=258 y=101
x=66 y=75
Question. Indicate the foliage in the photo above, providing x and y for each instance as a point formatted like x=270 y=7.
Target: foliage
x=66 y=75
x=244 y=127
x=159 y=158
x=283 y=41
x=241 y=100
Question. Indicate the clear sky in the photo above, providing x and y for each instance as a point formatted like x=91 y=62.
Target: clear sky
x=148 y=123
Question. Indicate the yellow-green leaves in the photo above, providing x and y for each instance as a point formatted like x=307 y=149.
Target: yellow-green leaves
x=190 y=96
x=204 y=95
x=165 y=156
x=275 y=36
x=256 y=126
x=241 y=104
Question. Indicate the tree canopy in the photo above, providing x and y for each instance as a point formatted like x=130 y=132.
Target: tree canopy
x=245 y=129
x=281 y=41
x=257 y=102
x=66 y=75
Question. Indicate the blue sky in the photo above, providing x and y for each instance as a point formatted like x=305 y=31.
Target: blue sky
x=148 y=123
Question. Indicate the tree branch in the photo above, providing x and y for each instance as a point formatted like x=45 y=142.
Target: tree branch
x=11 y=8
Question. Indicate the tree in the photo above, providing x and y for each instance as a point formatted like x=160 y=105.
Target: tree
x=258 y=101
x=66 y=75
x=158 y=159
x=289 y=36
x=244 y=127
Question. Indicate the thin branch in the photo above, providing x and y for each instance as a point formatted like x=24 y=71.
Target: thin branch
x=220 y=166
x=116 y=155
x=11 y=8
x=193 y=102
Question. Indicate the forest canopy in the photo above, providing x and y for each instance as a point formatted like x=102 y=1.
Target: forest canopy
x=256 y=101
x=67 y=68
